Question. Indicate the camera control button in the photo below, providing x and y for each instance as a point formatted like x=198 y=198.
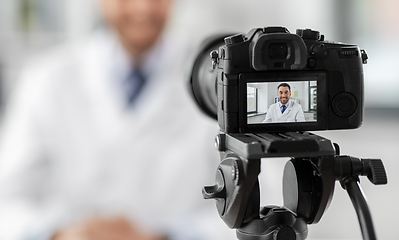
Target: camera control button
x=344 y=104
x=308 y=34
x=238 y=38
x=312 y=63
x=320 y=51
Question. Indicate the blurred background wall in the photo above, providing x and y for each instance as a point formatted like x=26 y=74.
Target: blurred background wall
x=28 y=27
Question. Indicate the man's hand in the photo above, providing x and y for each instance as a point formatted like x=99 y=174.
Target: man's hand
x=111 y=228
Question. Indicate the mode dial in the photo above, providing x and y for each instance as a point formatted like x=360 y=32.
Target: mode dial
x=309 y=34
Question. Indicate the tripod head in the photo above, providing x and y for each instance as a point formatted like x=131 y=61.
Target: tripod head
x=308 y=184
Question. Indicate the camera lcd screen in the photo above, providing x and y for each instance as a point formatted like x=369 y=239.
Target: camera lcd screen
x=279 y=102
x=291 y=101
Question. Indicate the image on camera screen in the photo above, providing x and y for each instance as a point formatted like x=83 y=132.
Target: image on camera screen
x=281 y=102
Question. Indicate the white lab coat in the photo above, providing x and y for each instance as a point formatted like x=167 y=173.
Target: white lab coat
x=70 y=147
x=293 y=113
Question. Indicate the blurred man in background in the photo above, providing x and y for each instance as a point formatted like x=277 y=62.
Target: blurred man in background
x=101 y=140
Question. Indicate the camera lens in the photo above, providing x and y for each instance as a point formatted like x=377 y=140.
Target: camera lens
x=203 y=79
x=278 y=51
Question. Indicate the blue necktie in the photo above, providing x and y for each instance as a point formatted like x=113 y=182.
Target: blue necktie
x=283 y=107
x=133 y=85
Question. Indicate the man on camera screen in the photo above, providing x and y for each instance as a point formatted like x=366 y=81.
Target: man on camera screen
x=284 y=110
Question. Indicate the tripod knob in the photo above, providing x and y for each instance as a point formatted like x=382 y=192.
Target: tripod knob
x=348 y=166
x=217 y=192
x=284 y=233
x=375 y=171
x=214 y=192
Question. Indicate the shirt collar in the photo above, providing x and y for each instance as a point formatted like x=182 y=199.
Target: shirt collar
x=288 y=103
x=119 y=63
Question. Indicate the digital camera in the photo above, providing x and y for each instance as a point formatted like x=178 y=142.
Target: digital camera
x=239 y=83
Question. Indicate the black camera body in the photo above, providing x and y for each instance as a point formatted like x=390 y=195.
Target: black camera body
x=326 y=80
x=267 y=89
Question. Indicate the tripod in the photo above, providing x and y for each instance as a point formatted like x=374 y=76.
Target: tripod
x=308 y=184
